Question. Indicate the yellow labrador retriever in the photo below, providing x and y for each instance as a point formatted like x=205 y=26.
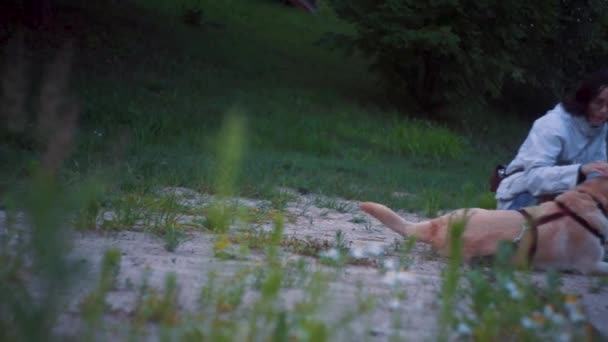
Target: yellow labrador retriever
x=567 y=233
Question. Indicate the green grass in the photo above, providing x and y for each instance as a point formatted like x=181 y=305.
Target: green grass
x=314 y=119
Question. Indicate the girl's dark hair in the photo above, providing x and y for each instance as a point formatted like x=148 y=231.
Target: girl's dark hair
x=577 y=102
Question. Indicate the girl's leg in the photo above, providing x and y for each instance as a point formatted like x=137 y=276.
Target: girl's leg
x=522 y=200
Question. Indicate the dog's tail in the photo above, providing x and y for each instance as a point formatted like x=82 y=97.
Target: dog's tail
x=395 y=222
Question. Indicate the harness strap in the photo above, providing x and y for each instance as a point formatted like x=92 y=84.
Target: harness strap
x=597 y=201
x=533 y=226
x=582 y=222
x=549 y=218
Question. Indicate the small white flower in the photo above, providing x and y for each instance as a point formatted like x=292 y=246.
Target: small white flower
x=513 y=290
x=332 y=254
x=527 y=323
x=573 y=308
x=576 y=316
x=357 y=253
x=572 y=303
x=394 y=304
x=463 y=330
x=250 y=279
x=557 y=319
x=398 y=277
x=374 y=250
x=564 y=337
x=390 y=264
x=548 y=311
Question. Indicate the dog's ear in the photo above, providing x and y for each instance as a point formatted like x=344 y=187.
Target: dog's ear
x=596 y=188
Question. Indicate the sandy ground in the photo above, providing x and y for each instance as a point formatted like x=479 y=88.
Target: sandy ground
x=144 y=254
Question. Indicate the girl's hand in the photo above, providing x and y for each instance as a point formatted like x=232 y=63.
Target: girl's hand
x=597 y=166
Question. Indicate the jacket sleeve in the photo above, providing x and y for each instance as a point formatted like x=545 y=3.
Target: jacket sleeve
x=540 y=156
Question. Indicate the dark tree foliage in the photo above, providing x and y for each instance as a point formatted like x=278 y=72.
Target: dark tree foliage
x=37 y=12
x=578 y=46
x=33 y=13
x=437 y=51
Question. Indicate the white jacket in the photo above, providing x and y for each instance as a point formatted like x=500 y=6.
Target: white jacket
x=550 y=157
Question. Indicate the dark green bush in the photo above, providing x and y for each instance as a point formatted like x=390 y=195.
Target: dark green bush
x=434 y=52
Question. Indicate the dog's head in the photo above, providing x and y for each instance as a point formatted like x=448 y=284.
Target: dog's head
x=597 y=188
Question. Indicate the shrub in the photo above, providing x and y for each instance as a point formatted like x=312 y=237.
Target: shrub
x=439 y=51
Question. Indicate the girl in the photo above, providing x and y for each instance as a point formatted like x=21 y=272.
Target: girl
x=564 y=147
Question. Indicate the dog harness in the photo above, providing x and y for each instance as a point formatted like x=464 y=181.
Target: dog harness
x=597 y=201
x=531 y=226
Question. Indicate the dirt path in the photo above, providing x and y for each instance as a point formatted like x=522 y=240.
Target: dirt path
x=144 y=255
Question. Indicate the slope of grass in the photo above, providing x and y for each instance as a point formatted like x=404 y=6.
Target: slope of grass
x=154 y=91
